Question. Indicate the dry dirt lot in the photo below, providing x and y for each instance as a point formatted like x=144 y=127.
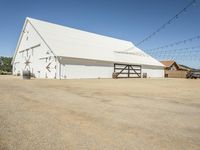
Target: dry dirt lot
x=122 y=114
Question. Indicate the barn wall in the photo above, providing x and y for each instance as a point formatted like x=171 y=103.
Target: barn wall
x=84 y=71
x=153 y=72
x=39 y=56
x=90 y=71
x=80 y=68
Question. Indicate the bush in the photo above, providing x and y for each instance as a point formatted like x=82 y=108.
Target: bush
x=5 y=73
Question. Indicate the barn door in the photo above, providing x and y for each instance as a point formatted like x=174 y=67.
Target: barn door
x=127 y=71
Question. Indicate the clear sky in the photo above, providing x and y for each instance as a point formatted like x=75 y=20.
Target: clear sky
x=130 y=20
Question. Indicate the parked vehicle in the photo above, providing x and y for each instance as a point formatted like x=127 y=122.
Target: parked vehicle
x=193 y=75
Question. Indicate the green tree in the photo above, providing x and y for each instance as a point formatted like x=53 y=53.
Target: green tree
x=5 y=64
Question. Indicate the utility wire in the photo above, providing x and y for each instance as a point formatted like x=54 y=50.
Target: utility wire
x=180 y=49
x=190 y=53
x=167 y=23
x=176 y=43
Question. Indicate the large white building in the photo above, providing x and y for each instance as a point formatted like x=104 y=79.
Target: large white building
x=54 y=51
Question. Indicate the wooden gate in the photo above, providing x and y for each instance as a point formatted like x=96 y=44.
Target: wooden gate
x=127 y=71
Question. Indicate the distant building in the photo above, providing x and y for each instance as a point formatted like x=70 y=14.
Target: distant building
x=170 y=65
x=185 y=68
x=173 y=70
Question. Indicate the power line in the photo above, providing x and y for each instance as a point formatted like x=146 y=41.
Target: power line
x=181 y=56
x=186 y=50
x=168 y=22
x=176 y=43
x=176 y=50
x=185 y=57
x=191 y=54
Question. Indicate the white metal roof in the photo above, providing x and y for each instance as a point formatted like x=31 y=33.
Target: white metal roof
x=69 y=42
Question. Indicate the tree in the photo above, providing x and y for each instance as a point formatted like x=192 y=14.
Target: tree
x=5 y=64
x=1 y=62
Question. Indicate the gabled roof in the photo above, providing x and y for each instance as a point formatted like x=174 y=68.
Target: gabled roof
x=169 y=63
x=73 y=43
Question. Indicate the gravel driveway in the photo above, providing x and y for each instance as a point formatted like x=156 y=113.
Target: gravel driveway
x=101 y=114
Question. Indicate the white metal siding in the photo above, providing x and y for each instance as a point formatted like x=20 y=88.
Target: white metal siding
x=37 y=55
x=80 y=68
x=153 y=72
x=82 y=71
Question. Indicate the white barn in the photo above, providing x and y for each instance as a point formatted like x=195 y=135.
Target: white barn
x=52 y=51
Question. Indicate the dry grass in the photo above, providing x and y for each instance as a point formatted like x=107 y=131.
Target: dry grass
x=99 y=114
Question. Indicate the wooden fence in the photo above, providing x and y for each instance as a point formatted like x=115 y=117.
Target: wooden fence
x=175 y=74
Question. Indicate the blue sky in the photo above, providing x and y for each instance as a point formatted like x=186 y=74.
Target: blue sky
x=130 y=20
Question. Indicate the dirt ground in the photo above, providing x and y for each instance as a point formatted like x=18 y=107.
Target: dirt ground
x=101 y=114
